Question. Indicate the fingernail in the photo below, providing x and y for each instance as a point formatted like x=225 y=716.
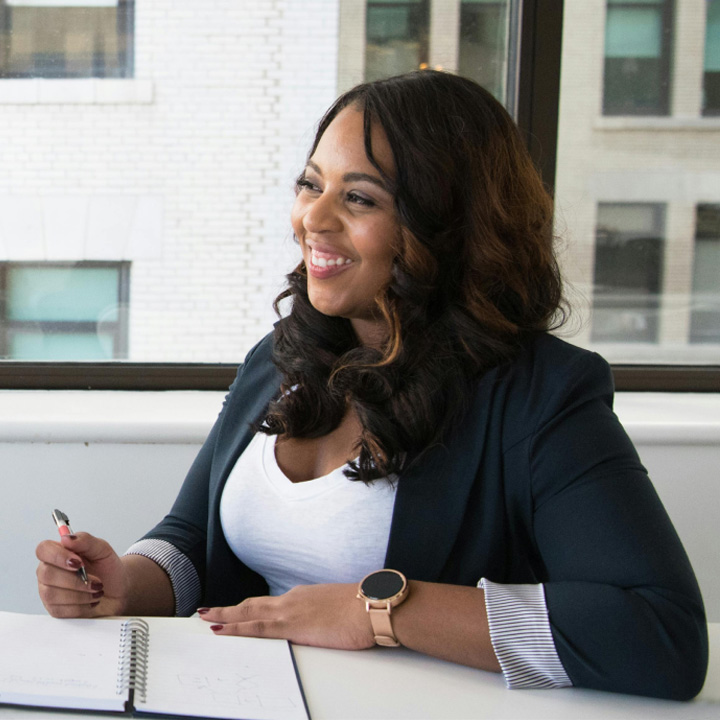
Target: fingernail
x=95 y=604
x=97 y=595
x=74 y=563
x=202 y=611
x=95 y=585
x=215 y=628
x=72 y=537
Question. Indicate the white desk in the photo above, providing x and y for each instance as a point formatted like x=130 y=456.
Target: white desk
x=386 y=683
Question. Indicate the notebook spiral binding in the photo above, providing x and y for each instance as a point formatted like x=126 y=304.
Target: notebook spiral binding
x=133 y=660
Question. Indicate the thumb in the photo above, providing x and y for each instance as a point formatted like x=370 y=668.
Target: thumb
x=89 y=547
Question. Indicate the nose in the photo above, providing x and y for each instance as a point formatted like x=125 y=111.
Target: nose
x=321 y=214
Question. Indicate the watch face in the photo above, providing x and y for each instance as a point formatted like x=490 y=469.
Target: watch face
x=382 y=584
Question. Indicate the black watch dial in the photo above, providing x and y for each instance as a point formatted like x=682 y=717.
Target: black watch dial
x=382 y=585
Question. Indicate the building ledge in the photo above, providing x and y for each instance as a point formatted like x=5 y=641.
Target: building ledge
x=81 y=91
x=668 y=124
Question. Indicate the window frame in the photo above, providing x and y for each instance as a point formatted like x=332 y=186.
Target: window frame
x=538 y=95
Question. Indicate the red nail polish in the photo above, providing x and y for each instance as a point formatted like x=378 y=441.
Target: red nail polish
x=203 y=610
x=74 y=563
x=215 y=628
x=98 y=595
x=96 y=586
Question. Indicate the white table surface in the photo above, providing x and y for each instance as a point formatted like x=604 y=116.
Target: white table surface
x=390 y=683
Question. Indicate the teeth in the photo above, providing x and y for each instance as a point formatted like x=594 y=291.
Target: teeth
x=328 y=262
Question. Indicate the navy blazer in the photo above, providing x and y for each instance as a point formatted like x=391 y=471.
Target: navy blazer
x=539 y=484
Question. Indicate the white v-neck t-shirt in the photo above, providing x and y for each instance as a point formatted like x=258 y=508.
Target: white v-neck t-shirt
x=326 y=530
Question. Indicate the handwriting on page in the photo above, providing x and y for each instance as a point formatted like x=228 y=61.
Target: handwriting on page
x=241 y=688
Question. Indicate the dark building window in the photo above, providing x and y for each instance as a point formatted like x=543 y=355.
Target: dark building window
x=483 y=51
x=638 y=50
x=64 y=311
x=396 y=37
x=628 y=272
x=711 y=77
x=705 y=317
x=60 y=40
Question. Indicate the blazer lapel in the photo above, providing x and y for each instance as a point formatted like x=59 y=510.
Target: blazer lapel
x=432 y=497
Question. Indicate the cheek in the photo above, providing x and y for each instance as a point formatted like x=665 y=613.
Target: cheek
x=296 y=215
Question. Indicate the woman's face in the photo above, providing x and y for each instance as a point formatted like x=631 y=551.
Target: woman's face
x=345 y=222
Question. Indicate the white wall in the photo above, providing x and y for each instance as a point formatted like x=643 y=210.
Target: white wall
x=113 y=461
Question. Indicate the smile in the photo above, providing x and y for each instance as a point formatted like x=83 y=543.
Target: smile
x=323 y=260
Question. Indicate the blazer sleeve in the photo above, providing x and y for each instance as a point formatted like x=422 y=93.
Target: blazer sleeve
x=186 y=525
x=625 y=609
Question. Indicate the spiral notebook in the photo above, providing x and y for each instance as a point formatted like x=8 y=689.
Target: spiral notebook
x=165 y=666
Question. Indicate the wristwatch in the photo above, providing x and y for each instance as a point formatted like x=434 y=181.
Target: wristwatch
x=381 y=591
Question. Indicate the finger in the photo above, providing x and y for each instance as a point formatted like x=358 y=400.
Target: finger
x=249 y=609
x=66 y=578
x=53 y=553
x=74 y=611
x=54 y=596
x=252 y=628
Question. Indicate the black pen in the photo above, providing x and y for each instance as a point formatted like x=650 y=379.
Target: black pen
x=63 y=525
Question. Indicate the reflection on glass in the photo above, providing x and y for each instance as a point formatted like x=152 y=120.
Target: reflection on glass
x=52 y=41
x=628 y=270
x=483 y=47
x=396 y=37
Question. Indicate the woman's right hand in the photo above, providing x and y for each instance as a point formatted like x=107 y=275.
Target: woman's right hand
x=62 y=590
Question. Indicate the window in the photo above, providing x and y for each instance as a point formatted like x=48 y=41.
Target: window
x=396 y=37
x=483 y=47
x=628 y=272
x=638 y=43
x=64 y=311
x=711 y=80
x=705 y=325
x=66 y=38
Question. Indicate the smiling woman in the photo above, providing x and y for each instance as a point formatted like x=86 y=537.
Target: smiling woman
x=503 y=519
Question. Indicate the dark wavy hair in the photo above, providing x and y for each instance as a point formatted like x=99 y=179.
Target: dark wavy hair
x=474 y=273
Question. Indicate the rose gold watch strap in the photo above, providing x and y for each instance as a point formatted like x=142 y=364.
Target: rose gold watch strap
x=382 y=626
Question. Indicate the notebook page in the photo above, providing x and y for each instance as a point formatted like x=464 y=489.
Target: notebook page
x=59 y=663
x=197 y=673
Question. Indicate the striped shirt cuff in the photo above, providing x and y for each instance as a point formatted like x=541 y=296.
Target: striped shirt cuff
x=183 y=576
x=521 y=636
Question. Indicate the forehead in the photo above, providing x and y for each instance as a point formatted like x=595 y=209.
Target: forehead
x=343 y=142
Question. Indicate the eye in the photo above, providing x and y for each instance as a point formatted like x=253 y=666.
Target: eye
x=361 y=200
x=302 y=183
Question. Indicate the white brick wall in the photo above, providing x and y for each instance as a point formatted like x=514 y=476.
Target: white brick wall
x=211 y=134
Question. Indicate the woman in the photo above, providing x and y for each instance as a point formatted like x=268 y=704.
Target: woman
x=411 y=412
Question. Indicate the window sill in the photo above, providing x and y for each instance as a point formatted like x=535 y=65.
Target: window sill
x=185 y=417
x=84 y=91
x=689 y=124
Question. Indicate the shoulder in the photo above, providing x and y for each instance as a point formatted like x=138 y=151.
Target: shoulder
x=548 y=377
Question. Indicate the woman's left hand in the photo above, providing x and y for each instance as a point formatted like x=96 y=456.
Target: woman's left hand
x=328 y=616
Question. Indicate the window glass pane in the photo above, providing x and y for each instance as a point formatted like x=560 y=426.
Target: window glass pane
x=711 y=84
x=52 y=293
x=637 y=197
x=483 y=50
x=637 y=54
x=65 y=39
x=396 y=37
x=187 y=187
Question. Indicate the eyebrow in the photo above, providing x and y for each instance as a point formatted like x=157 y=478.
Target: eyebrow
x=354 y=177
